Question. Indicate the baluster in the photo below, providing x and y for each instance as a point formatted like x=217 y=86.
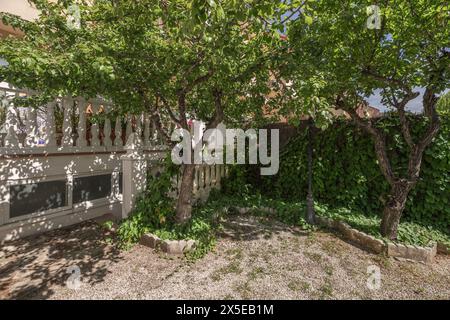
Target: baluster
x=207 y=177
x=50 y=134
x=118 y=142
x=218 y=176
x=213 y=175
x=67 y=140
x=129 y=129
x=95 y=140
x=155 y=135
x=170 y=128
x=32 y=138
x=107 y=131
x=11 y=139
x=161 y=137
x=147 y=139
x=174 y=187
x=139 y=125
x=81 y=140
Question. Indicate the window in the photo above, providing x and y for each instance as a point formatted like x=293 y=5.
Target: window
x=91 y=188
x=37 y=197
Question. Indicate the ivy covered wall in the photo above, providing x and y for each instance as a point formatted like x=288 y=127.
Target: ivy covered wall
x=346 y=171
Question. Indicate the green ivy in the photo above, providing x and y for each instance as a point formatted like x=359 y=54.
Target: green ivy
x=155 y=213
x=154 y=208
x=409 y=232
x=346 y=173
x=292 y=213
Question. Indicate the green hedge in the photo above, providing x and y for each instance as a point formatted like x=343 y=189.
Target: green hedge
x=346 y=171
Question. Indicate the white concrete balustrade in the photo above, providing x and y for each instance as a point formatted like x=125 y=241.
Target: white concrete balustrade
x=63 y=163
x=41 y=132
x=207 y=177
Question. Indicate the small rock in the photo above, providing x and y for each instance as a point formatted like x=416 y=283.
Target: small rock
x=150 y=240
x=190 y=245
x=442 y=248
x=171 y=247
x=182 y=244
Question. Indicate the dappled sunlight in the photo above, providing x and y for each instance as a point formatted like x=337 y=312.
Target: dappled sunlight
x=30 y=267
x=61 y=163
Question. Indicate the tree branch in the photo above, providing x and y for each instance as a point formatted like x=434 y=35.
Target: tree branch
x=196 y=82
x=169 y=110
x=155 y=118
x=377 y=136
x=389 y=81
x=404 y=123
x=219 y=115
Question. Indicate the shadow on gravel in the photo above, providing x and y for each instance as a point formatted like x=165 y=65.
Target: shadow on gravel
x=249 y=228
x=30 y=266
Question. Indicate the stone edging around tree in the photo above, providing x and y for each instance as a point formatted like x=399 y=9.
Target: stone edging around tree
x=443 y=249
x=409 y=252
x=392 y=249
x=174 y=247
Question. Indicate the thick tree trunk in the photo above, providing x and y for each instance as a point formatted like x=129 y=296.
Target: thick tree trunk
x=394 y=208
x=184 y=202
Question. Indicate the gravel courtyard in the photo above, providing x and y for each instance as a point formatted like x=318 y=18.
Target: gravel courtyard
x=253 y=259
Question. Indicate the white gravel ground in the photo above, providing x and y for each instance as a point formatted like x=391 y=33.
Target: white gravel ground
x=253 y=259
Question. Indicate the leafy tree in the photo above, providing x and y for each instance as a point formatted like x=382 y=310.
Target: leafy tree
x=443 y=105
x=339 y=57
x=176 y=60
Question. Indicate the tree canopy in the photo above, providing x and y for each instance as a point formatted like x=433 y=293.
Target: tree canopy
x=219 y=60
x=181 y=57
x=340 y=57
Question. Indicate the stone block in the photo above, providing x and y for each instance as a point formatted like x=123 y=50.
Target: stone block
x=175 y=247
x=376 y=245
x=190 y=245
x=241 y=210
x=325 y=222
x=442 y=248
x=346 y=231
x=172 y=247
x=414 y=253
x=150 y=240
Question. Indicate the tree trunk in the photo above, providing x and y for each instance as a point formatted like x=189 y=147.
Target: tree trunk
x=184 y=203
x=394 y=208
x=310 y=214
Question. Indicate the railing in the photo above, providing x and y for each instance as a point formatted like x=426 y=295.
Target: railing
x=206 y=178
x=70 y=160
x=32 y=128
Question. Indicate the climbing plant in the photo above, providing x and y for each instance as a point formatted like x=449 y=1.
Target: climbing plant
x=346 y=172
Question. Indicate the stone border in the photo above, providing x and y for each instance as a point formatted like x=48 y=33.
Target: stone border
x=414 y=253
x=397 y=250
x=391 y=249
x=175 y=247
x=364 y=240
x=443 y=249
x=245 y=210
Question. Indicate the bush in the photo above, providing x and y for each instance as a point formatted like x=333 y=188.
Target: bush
x=346 y=173
x=155 y=213
x=154 y=208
